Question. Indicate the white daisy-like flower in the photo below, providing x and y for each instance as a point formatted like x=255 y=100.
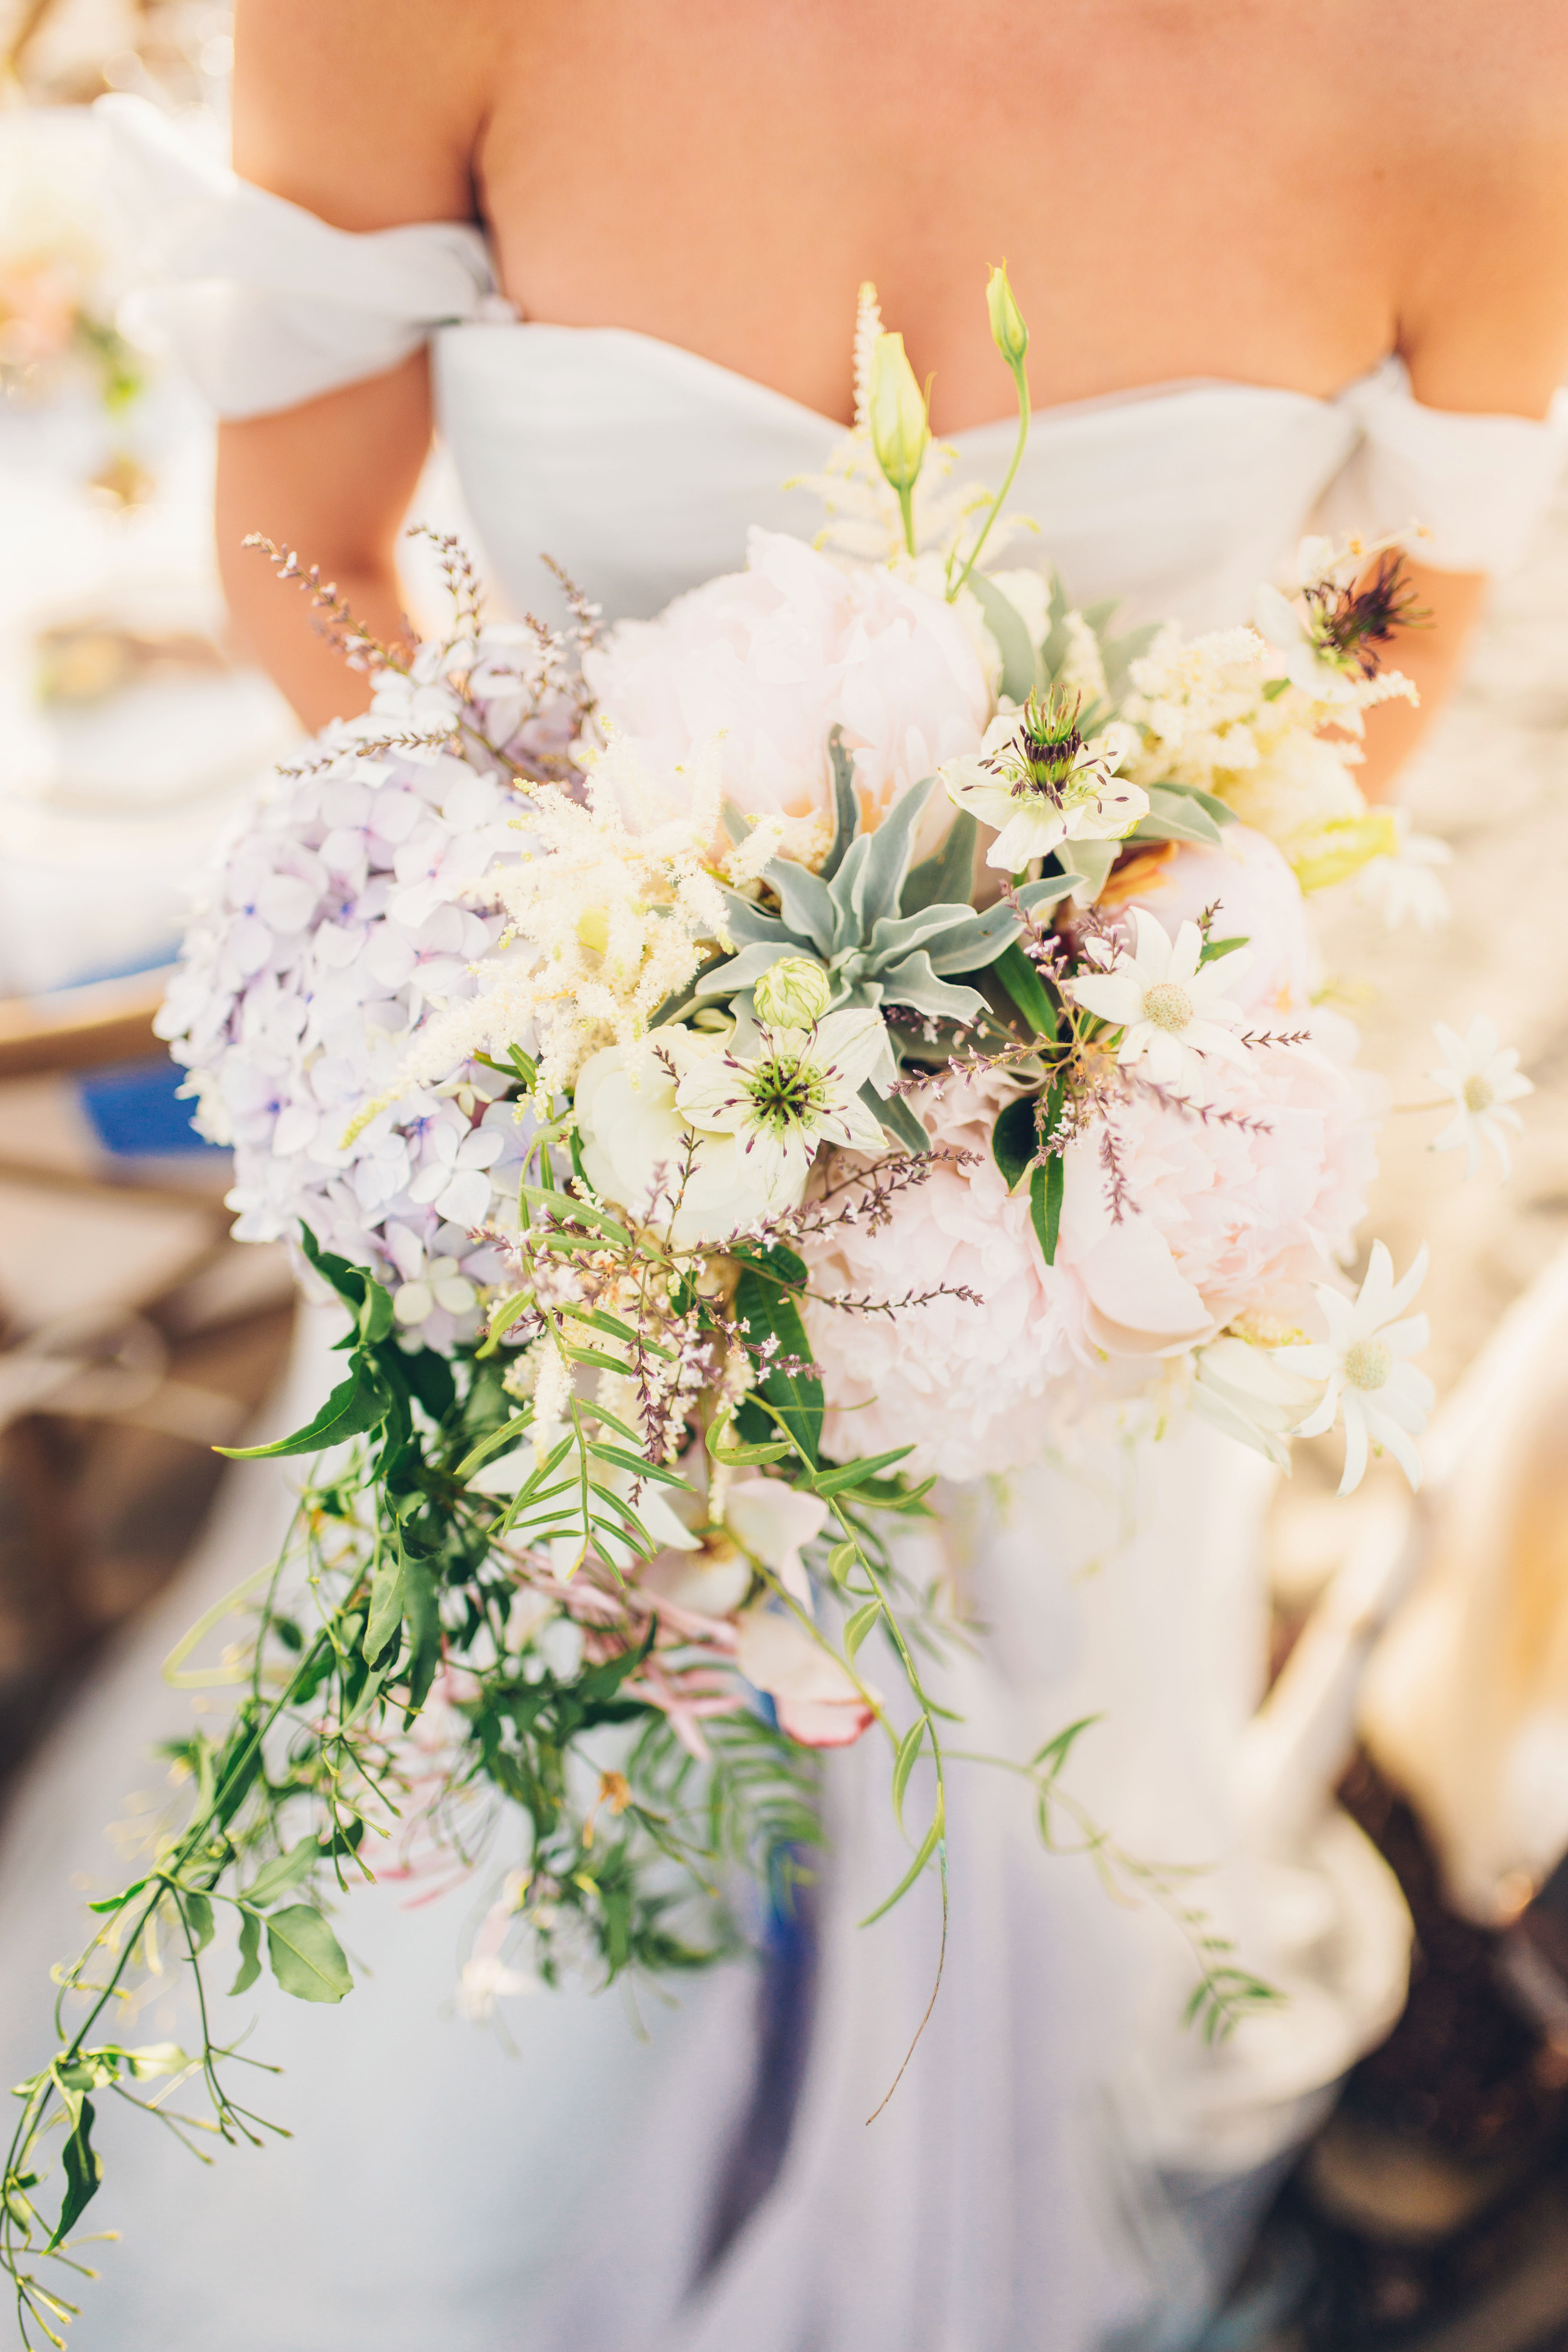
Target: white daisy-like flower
x=1170 y=1006
x=1383 y=1399
x=1243 y=1389
x=1037 y=784
x=801 y=1090
x=1484 y=1080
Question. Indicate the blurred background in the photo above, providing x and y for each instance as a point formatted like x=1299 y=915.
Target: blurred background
x=1433 y=2208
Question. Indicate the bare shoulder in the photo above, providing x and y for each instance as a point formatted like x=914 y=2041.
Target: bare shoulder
x=1473 y=131
x=366 y=112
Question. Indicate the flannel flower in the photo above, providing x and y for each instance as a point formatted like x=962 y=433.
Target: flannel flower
x=1383 y=1399
x=1170 y=1006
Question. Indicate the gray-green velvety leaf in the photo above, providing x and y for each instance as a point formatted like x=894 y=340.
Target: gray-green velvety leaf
x=897 y=1117
x=1174 y=817
x=1094 y=860
x=846 y=806
x=914 y=983
x=845 y=894
x=808 y=911
x=1221 y=811
x=744 y=970
x=1006 y=622
x=887 y=859
x=746 y=921
x=949 y=876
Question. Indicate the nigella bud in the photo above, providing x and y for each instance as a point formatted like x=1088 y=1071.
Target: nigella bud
x=1008 y=332
x=793 y=994
x=895 y=412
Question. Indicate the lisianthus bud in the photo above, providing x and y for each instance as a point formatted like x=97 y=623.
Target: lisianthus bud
x=897 y=414
x=793 y=994
x=1008 y=332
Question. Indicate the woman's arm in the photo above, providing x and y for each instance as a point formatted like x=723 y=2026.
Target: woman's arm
x=332 y=481
x=365 y=111
x=1482 y=321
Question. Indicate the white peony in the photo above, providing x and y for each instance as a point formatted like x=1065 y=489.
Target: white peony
x=771 y=660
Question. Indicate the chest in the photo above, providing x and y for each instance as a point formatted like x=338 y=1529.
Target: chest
x=1178 y=189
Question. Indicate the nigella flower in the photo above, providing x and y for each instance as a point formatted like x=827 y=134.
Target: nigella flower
x=1037 y=782
x=1483 y=1080
x=801 y=1090
x=1170 y=1006
x=1383 y=1399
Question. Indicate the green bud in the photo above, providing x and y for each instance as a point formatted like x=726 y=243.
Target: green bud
x=793 y=994
x=1008 y=332
x=896 y=413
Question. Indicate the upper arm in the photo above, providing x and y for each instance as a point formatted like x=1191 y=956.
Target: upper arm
x=1482 y=292
x=364 y=112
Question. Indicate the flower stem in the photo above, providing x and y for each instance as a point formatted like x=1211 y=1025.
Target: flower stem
x=1021 y=381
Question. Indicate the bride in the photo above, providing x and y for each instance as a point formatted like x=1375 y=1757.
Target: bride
x=1281 y=265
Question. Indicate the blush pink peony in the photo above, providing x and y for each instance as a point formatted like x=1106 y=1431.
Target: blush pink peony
x=1229 y=1219
x=769 y=660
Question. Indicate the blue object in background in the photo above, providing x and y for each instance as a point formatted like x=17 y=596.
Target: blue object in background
x=136 y=1110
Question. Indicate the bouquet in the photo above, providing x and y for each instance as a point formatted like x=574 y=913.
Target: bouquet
x=731 y=1074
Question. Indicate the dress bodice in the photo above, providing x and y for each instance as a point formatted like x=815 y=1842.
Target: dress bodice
x=639 y=465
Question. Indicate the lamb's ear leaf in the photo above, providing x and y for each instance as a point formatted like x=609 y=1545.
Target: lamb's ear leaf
x=887 y=859
x=897 y=1117
x=1013 y=643
x=808 y=911
x=1094 y=860
x=947 y=879
x=846 y=807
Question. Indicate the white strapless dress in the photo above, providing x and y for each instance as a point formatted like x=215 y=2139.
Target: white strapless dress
x=1062 y=2168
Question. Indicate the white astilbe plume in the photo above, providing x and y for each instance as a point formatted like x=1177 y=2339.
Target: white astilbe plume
x=608 y=913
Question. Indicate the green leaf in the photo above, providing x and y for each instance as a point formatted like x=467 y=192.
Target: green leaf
x=355 y=1407
x=796 y=1397
x=841 y=1559
x=1024 y=985
x=117 y=1901
x=736 y=1455
x=503 y=1318
x=574 y=1211
x=854 y=1473
x=1213 y=949
x=928 y=1844
x=306 y=1957
x=420 y=1605
x=1047 y=1187
x=1020 y=667
x=284 y=1871
x=83 y=2168
x=198 y=1913
x=638 y=1463
x=250 y=1953
x=491 y=1444
x=1050 y=1759
x=1015 y=1139
x=385 y=1619
x=859 y=1625
x=909 y=1747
